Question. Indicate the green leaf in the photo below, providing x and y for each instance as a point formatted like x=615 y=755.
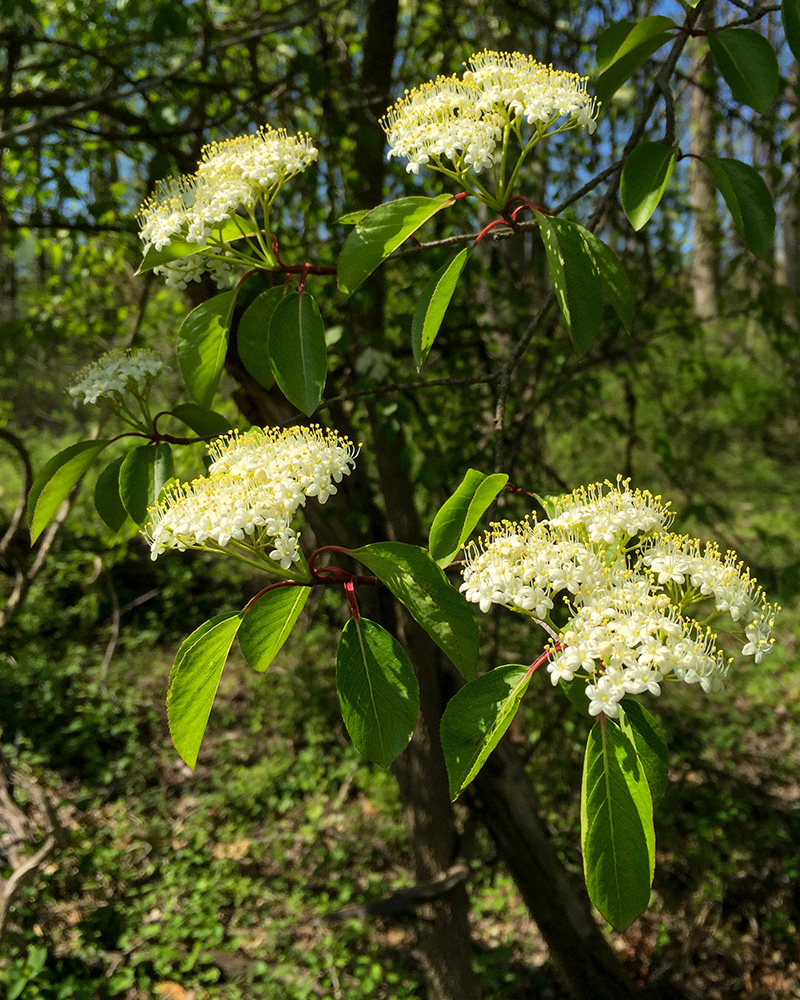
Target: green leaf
x=433 y=305
x=748 y=65
x=378 y=690
x=575 y=279
x=651 y=745
x=379 y=233
x=268 y=622
x=475 y=719
x=613 y=277
x=790 y=16
x=351 y=218
x=624 y=47
x=142 y=475
x=644 y=180
x=106 y=495
x=194 y=680
x=203 y=344
x=460 y=513
x=51 y=487
x=297 y=351
x=228 y=232
x=252 y=336
x=616 y=826
x=748 y=199
x=203 y=422
x=421 y=587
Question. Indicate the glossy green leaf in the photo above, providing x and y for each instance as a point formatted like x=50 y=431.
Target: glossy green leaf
x=644 y=180
x=267 y=623
x=613 y=277
x=476 y=718
x=616 y=826
x=378 y=690
x=421 y=587
x=203 y=422
x=624 y=47
x=203 y=344
x=459 y=514
x=432 y=306
x=748 y=199
x=790 y=16
x=252 y=335
x=351 y=218
x=576 y=282
x=748 y=65
x=53 y=484
x=106 y=495
x=142 y=475
x=176 y=249
x=651 y=745
x=194 y=680
x=380 y=233
x=297 y=350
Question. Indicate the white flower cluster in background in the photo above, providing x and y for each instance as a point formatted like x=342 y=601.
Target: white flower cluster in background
x=632 y=590
x=233 y=179
x=257 y=481
x=117 y=375
x=464 y=119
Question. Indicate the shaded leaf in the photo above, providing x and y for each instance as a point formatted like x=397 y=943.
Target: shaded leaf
x=106 y=495
x=378 y=690
x=613 y=277
x=267 y=623
x=748 y=199
x=143 y=473
x=194 y=680
x=203 y=422
x=252 y=335
x=626 y=46
x=748 y=65
x=790 y=16
x=644 y=180
x=651 y=745
x=432 y=306
x=459 y=514
x=203 y=344
x=475 y=719
x=379 y=233
x=297 y=350
x=421 y=587
x=616 y=826
x=51 y=487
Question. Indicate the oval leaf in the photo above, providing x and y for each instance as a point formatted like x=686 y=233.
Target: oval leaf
x=748 y=65
x=613 y=277
x=378 y=690
x=203 y=344
x=51 y=487
x=205 y=423
x=106 y=496
x=457 y=517
x=790 y=15
x=421 y=587
x=624 y=47
x=141 y=477
x=748 y=199
x=616 y=826
x=651 y=746
x=575 y=279
x=267 y=623
x=644 y=180
x=475 y=719
x=433 y=305
x=297 y=351
x=194 y=680
x=379 y=233
x=252 y=335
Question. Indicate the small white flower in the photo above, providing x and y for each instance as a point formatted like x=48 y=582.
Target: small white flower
x=116 y=374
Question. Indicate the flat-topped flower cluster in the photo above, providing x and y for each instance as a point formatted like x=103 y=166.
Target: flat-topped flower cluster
x=257 y=481
x=233 y=180
x=116 y=375
x=467 y=120
x=632 y=590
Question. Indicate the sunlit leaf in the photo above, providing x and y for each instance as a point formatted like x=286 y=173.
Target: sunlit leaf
x=432 y=306
x=142 y=475
x=203 y=344
x=748 y=65
x=53 y=484
x=644 y=180
x=624 y=47
x=651 y=745
x=267 y=623
x=460 y=513
x=297 y=350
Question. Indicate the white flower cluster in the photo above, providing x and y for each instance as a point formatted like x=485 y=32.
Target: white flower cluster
x=233 y=177
x=464 y=119
x=117 y=374
x=628 y=584
x=257 y=480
